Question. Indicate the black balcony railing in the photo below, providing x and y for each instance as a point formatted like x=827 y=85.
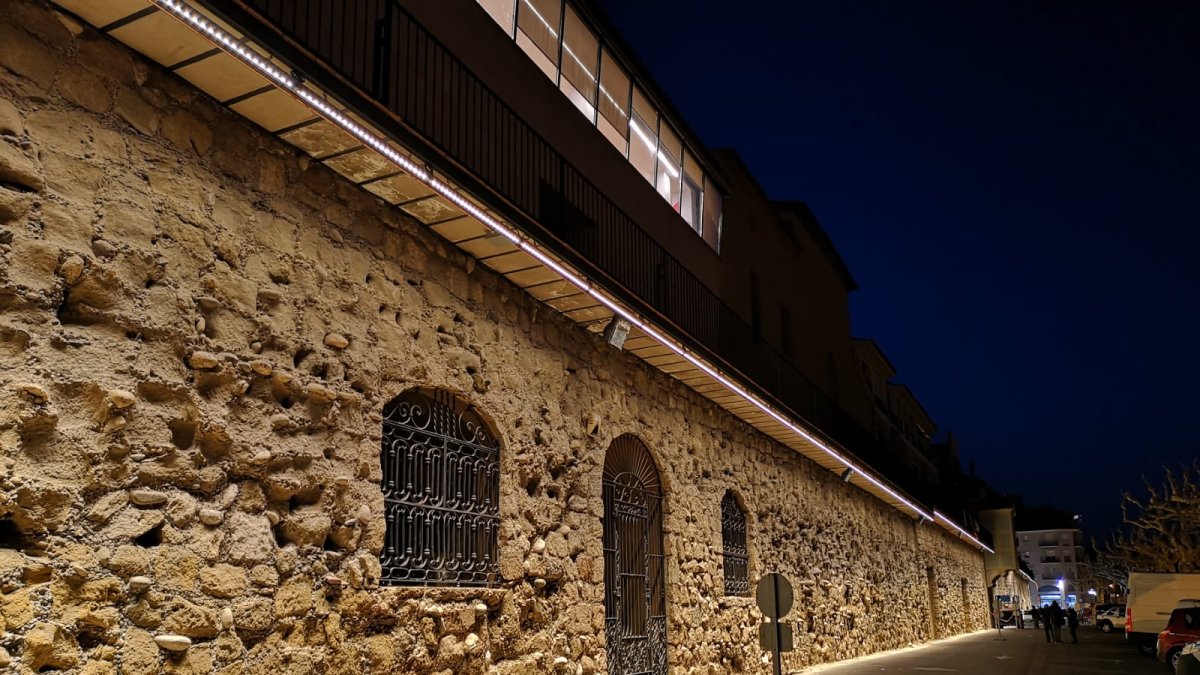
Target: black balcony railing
x=383 y=64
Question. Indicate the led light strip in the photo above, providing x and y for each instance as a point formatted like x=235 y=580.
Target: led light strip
x=217 y=35
x=962 y=532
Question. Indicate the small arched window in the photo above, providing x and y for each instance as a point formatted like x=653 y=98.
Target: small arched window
x=441 y=491
x=734 y=553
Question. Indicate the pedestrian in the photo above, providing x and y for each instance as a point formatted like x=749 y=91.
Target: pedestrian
x=1047 y=623
x=1036 y=614
x=1057 y=619
x=1073 y=622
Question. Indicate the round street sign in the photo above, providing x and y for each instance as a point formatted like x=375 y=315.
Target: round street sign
x=774 y=595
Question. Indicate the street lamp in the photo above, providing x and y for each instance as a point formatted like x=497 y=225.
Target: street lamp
x=1062 y=591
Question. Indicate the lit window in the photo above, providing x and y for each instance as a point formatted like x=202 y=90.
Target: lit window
x=670 y=150
x=581 y=54
x=692 y=195
x=643 y=139
x=711 y=229
x=734 y=552
x=503 y=11
x=538 y=23
x=614 y=103
x=441 y=492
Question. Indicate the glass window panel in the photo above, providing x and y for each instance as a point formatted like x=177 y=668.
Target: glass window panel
x=668 y=181
x=642 y=106
x=582 y=102
x=538 y=22
x=614 y=94
x=711 y=228
x=690 y=201
x=643 y=138
x=615 y=136
x=503 y=11
x=581 y=54
x=692 y=168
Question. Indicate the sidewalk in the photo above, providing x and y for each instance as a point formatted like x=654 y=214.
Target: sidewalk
x=1019 y=651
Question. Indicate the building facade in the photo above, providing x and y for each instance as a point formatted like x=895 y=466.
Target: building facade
x=1012 y=588
x=318 y=359
x=1053 y=555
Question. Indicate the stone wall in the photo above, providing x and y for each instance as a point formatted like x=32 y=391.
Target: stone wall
x=198 y=333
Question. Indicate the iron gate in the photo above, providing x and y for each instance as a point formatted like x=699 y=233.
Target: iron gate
x=635 y=617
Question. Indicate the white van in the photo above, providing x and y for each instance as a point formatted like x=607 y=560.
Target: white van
x=1152 y=598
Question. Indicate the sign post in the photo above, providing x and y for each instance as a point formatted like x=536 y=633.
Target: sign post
x=775 y=597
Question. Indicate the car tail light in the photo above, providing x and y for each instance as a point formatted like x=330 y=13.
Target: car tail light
x=1129 y=620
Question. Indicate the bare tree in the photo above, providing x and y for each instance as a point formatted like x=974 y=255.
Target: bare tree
x=1162 y=530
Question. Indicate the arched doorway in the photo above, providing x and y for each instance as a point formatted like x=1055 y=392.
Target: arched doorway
x=635 y=616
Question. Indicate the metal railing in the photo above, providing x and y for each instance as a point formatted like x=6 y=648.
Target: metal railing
x=381 y=57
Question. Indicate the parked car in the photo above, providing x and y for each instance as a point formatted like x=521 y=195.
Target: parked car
x=1111 y=618
x=1182 y=628
x=1188 y=662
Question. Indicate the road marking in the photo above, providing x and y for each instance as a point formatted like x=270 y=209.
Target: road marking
x=1003 y=657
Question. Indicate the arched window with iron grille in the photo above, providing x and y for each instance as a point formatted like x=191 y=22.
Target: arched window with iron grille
x=734 y=553
x=441 y=491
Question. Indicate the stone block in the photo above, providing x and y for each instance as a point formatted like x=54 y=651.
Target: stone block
x=19 y=169
x=250 y=541
x=34 y=264
x=138 y=653
x=25 y=56
x=223 y=581
x=49 y=646
x=10 y=119
x=85 y=89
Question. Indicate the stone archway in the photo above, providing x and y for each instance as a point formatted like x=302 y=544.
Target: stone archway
x=635 y=616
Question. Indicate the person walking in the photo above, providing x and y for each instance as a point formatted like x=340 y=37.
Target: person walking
x=1057 y=619
x=1073 y=622
x=1046 y=621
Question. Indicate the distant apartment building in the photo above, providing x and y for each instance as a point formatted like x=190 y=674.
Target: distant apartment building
x=1053 y=555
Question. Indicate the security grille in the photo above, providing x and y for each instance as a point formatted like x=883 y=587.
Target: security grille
x=635 y=621
x=734 y=553
x=441 y=492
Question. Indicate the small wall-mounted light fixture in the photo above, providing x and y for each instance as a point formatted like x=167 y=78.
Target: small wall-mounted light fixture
x=847 y=474
x=616 y=331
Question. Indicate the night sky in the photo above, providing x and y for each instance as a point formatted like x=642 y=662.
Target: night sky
x=1014 y=185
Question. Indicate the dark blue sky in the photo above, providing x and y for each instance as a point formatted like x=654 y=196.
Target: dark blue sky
x=1016 y=187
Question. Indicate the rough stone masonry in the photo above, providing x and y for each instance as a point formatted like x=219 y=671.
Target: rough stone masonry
x=198 y=332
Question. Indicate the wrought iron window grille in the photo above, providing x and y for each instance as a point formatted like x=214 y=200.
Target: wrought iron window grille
x=441 y=490
x=734 y=552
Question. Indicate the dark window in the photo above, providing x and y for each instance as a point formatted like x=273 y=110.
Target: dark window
x=755 y=315
x=441 y=491
x=785 y=332
x=734 y=554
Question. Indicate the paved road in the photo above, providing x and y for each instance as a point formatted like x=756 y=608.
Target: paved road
x=1021 y=652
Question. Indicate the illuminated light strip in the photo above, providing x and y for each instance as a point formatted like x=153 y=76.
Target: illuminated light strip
x=962 y=532
x=220 y=37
